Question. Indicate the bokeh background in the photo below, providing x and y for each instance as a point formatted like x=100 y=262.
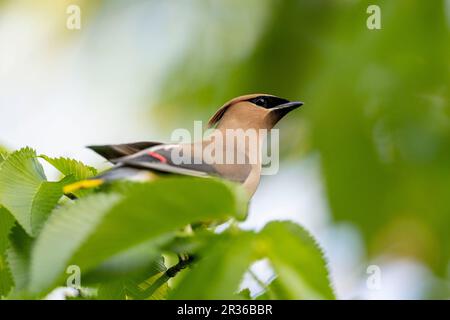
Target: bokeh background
x=366 y=161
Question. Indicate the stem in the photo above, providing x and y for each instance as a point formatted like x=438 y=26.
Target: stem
x=183 y=262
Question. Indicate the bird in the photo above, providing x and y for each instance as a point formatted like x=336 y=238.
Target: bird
x=152 y=160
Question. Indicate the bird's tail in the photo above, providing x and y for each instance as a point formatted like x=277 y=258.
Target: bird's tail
x=116 y=173
x=82 y=184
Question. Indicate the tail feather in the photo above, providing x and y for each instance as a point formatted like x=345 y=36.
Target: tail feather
x=116 y=173
x=113 y=151
x=83 y=184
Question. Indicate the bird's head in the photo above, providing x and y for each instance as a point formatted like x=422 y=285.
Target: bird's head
x=252 y=111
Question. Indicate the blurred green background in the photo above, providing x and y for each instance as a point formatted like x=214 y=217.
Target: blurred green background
x=366 y=161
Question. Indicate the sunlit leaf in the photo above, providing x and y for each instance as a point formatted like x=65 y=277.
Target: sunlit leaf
x=99 y=226
x=220 y=270
x=298 y=261
x=18 y=257
x=72 y=168
x=24 y=190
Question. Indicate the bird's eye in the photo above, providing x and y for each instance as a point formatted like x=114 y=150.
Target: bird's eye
x=268 y=102
x=262 y=102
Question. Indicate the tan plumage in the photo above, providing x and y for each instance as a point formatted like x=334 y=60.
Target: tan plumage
x=146 y=160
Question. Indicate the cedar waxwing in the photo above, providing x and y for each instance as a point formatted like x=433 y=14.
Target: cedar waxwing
x=148 y=160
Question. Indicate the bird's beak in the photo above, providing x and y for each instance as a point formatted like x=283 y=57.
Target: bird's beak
x=290 y=105
x=286 y=107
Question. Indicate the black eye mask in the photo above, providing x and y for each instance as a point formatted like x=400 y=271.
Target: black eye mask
x=268 y=102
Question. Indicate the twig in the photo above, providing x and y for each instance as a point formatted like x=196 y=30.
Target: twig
x=183 y=262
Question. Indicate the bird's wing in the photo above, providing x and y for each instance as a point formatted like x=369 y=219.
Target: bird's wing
x=159 y=158
x=114 y=151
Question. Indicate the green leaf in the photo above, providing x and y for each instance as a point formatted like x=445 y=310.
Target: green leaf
x=137 y=286
x=134 y=261
x=273 y=291
x=6 y=224
x=6 y=281
x=295 y=256
x=159 y=294
x=246 y=294
x=221 y=268
x=99 y=226
x=67 y=228
x=24 y=190
x=73 y=168
x=298 y=261
x=18 y=257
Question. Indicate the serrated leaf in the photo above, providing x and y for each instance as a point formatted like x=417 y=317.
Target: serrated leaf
x=18 y=257
x=67 y=228
x=298 y=260
x=70 y=167
x=100 y=226
x=24 y=190
x=296 y=257
x=221 y=269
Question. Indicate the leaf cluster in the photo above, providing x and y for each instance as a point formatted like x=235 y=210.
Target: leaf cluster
x=120 y=242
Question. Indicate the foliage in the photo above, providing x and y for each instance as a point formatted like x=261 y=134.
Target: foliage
x=118 y=235
x=24 y=190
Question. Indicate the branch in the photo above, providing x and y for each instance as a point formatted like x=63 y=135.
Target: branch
x=183 y=262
